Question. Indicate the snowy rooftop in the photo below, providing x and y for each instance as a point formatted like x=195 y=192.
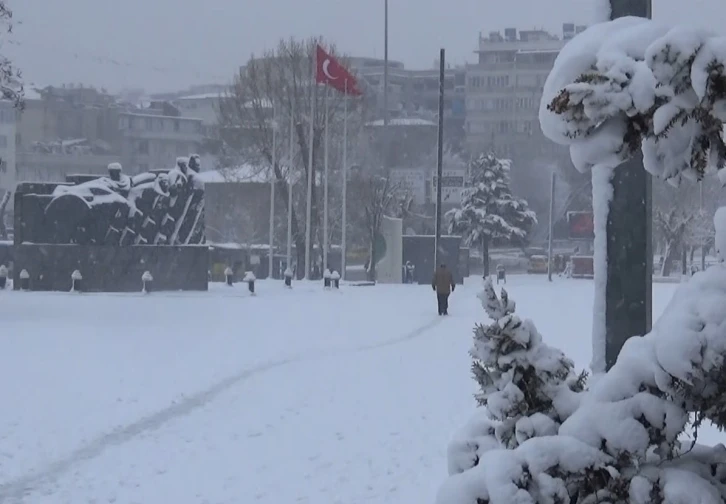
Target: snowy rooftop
x=243 y=173
x=202 y=96
x=403 y=121
x=32 y=93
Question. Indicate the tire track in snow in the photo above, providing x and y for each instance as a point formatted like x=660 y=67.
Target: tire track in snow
x=15 y=491
x=18 y=489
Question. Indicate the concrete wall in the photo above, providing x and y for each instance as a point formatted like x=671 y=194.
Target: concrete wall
x=112 y=269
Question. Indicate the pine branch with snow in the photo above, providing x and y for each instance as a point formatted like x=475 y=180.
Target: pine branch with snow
x=635 y=84
x=526 y=387
x=539 y=439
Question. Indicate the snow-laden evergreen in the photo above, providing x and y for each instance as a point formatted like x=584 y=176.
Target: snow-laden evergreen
x=539 y=438
x=489 y=211
x=633 y=84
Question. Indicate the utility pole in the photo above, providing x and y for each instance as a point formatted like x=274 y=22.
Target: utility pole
x=628 y=291
x=440 y=158
x=386 y=143
x=273 y=180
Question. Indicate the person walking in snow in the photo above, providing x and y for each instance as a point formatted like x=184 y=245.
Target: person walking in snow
x=443 y=285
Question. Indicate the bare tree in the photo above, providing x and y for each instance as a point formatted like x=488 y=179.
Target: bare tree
x=11 y=86
x=672 y=225
x=283 y=78
x=376 y=197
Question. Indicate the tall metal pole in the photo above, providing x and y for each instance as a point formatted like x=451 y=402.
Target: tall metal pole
x=344 y=225
x=270 y=253
x=552 y=222
x=628 y=289
x=291 y=158
x=325 y=186
x=703 y=241
x=309 y=216
x=440 y=158
x=386 y=143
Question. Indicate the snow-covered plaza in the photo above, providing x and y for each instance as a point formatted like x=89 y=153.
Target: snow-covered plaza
x=307 y=395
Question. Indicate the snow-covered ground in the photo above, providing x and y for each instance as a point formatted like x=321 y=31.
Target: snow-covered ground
x=290 y=396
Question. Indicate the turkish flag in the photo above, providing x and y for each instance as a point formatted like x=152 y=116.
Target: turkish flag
x=329 y=71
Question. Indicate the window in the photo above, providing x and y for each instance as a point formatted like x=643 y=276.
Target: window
x=3 y=142
x=143 y=147
x=177 y=125
x=147 y=124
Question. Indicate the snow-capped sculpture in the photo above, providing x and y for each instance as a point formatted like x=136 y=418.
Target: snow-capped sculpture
x=148 y=208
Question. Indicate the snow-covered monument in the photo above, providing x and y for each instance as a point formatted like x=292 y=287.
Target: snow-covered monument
x=113 y=229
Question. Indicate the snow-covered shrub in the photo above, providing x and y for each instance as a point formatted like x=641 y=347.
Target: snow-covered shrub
x=632 y=84
x=539 y=438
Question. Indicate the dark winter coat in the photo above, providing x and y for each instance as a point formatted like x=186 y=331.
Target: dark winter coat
x=443 y=281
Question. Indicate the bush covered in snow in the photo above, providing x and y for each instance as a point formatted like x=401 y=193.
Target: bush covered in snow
x=634 y=84
x=540 y=436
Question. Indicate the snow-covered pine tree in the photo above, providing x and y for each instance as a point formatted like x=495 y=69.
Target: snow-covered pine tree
x=489 y=211
x=620 y=441
x=526 y=387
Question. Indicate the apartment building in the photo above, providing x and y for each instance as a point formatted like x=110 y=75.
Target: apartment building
x=153 y=137
x=75 y=129
x=504 y=89
x=414 y=93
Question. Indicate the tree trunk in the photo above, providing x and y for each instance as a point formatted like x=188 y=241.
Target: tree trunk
x=684 y=260
x=485 y=254
x=371 y=275
x=667 y=259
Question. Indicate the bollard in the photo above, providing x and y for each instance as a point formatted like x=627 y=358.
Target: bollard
x=288 y=278
x=147 y=280
x=229 y=276
x=326 y=278
x=501 y=274
x=336 y=279
x=76 y=280
x=3 y=276
x=24 y=280
x=250 y=279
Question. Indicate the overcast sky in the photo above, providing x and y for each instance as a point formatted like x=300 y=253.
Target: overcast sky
x=169 y=44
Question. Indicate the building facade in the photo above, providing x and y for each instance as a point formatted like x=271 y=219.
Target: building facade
x=153 y=138
x=503 y=94
x=414 y=93
x=74 y=129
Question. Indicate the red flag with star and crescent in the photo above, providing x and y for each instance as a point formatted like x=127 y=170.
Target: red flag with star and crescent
x=332 y=73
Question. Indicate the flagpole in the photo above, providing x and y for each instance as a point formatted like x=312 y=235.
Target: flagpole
x=308 y=219
x=325 y=190
x=289 y=185
x=343 y=262
x=270 y=254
